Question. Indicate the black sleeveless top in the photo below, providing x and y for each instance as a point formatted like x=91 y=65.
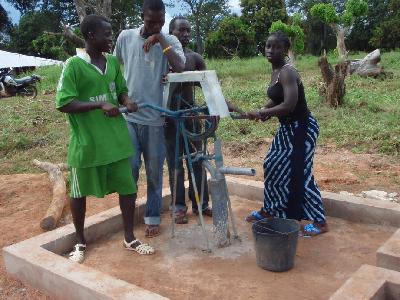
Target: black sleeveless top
x=301 y=112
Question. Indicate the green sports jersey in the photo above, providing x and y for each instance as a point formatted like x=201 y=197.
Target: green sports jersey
x=95 y=139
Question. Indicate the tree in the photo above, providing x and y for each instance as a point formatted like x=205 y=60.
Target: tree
x=340 y=22
x=294 y=32
x=24 y=6
x=387 y=32
x=5 y=27
x=65 y=10
x=125 y=14
x=30 y=27
x=205 y=15
x=53 y=23
x=122 y=14
x=318 y=35
x=363 y=27
x=53 y=46
x=259 y=14
x=232 y=39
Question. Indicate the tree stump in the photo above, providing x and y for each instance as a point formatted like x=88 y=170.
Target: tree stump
x=59 y=200
x=368 y=66
x=334 y=81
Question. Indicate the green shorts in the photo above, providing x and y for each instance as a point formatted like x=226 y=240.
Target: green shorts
x=103 y=180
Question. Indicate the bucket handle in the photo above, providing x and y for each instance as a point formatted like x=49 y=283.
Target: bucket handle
x=274 y=231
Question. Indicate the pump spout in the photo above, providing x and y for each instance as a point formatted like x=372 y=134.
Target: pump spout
x=238 y=171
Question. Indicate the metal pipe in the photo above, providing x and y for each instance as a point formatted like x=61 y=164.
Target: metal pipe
x=210 y=168
x=196 y=192
x=238 y=171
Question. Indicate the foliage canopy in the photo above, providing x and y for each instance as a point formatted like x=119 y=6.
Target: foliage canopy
x=232 y=39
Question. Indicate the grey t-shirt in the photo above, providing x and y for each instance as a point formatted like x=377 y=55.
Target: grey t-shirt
x=144 y=72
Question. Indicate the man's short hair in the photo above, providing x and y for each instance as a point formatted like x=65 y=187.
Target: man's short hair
x=153 y=5
x=172 y=23
x=91 y=23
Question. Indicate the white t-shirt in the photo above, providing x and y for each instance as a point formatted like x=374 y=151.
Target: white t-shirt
x=143 y=73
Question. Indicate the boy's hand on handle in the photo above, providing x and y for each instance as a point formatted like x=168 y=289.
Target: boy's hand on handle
x=109 y=109
x=131 y=106
x=128 y=104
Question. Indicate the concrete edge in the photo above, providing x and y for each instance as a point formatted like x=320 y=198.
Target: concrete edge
x=63 y=279
x=388 y=255
x=350 y=208
x=368 y=282
x=37 y=261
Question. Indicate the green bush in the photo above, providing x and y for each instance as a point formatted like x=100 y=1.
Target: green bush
x=294 y=32
x=232 y=39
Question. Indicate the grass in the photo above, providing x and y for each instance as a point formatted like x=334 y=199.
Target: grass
x=369 y=121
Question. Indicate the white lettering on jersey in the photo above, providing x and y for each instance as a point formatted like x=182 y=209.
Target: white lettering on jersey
x=100 y=98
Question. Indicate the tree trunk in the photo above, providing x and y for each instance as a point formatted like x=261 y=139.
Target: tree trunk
x=292 y=58
x=199 y=42
x=80 y=6
x=100 y=7
x=83 y=7
x=104 y=8
x=334 y=81
x=53 y=214
x=340 y=45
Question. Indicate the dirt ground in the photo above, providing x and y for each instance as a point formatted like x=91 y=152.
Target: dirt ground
x=24 y=198
x=181 y=270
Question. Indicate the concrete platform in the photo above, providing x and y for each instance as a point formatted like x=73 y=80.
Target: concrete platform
x=181 y=270
x=38 y=262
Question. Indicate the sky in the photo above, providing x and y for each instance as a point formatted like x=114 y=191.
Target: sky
x=170 y=13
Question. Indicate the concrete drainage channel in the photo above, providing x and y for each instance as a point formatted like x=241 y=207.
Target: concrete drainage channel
x=39 y=261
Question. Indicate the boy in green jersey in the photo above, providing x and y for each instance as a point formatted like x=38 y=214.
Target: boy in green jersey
x=90 y=89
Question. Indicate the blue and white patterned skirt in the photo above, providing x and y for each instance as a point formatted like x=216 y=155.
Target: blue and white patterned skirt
x=290 y=190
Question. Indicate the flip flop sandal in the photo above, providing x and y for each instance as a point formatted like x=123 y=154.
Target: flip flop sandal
x=254 y=216
x=181 y=218
x=78 y=253
x=139 y=247
x=311 y=230
x=152 y=231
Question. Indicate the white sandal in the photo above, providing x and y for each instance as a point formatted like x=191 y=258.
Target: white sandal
x=78 y=254
x=139 y=247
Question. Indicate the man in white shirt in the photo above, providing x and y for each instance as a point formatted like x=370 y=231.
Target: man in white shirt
x=147 y=54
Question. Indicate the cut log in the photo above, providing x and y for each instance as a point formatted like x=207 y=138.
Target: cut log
x=368 y=66
x=59 y=199
x=334 y=81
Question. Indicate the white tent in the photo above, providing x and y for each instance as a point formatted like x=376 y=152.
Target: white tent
x=15 y=60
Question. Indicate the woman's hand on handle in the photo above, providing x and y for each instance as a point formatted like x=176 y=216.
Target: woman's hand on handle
x=253 y=115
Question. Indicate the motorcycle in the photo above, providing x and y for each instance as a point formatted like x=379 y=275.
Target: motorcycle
x=10 y=86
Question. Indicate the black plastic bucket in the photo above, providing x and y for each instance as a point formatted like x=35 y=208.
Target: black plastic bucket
x=276 y=243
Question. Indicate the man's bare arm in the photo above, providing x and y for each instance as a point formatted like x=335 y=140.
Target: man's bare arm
x=174 y=60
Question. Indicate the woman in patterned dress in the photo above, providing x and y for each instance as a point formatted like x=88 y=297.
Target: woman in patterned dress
x=290 y=189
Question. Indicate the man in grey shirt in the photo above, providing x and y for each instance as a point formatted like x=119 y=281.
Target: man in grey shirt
x=146 y=54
